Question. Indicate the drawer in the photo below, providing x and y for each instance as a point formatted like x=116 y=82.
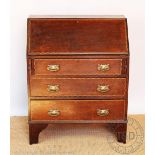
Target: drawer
x=77 y=66
x=77 y=109
x=115 y=87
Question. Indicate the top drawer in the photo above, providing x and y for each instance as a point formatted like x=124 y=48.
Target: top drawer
x=77 y=66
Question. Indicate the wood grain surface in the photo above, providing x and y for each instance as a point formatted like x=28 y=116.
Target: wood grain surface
x=77 y=109
x=78 y=66
x=78 y=86
x=49 y=36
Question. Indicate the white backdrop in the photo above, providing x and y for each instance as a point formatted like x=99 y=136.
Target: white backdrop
x=21 y=9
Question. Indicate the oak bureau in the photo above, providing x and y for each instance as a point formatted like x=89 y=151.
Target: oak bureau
x=78 y=71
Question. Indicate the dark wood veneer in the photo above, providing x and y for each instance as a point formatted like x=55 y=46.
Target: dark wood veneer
x=78 y=86
x=78 y=66
x=63 y=35
x=78 y=109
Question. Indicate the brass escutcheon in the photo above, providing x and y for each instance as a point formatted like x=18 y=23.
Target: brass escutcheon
x=103 y=88
x=53 y=88
x=53 y=68
x=102 y=112
x=103 y=67
x=53 y=112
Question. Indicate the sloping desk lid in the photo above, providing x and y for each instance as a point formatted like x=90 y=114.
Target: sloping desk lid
x=77 y=35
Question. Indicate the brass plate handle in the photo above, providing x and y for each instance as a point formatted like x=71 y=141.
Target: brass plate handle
x=103 y=67
x=53 y=112
x=53 y=88
x=102 y=112
x=53 y=68
x=103 y=88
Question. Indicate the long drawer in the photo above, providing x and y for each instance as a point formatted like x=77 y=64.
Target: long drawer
x=115 y=87
x=77 y=109
x=77 y=66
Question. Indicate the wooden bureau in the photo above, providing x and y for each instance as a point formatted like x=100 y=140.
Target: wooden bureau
x=78 y=71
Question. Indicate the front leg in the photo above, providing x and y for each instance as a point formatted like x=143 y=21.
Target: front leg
x=34 y=130
x=121 y=132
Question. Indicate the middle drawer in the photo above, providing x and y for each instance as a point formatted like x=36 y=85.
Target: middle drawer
x=115 y=87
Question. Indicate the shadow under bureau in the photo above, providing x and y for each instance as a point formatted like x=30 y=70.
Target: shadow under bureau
x=78 y=69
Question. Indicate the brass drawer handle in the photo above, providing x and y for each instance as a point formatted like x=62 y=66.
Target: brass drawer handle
x=53 y=68
x=102 y=112
x=53 y=112
x=103 y=88
x=103 y=67
x=53 y=88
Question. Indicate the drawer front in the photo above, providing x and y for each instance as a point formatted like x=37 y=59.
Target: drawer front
x=77 y=110
x=78 y=87
x=77 y=66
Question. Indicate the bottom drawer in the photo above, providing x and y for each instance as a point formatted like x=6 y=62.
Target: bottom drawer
x=77 y=110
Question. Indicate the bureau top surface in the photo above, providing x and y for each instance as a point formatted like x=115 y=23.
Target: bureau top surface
x=56 y=35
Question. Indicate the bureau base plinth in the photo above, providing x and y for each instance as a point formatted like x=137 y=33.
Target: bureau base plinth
x=120 y=130
x=34 y=131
